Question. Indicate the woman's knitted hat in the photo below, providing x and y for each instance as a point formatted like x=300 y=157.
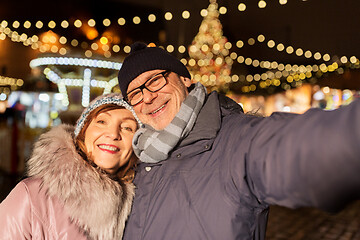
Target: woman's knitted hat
x=144 y=58
x=111 y=98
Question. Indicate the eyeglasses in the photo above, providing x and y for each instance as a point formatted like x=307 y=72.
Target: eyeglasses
x=153 y=84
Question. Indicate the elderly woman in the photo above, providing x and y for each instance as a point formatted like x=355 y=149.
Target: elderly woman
x=80 y=178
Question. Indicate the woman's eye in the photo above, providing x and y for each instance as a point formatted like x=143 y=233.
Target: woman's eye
x=128 y=129
x=100 y=121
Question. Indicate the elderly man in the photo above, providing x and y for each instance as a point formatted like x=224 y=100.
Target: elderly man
x=209 y=171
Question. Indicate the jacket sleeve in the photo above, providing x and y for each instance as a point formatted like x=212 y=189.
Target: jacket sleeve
x=15 y=214
x=311 y=159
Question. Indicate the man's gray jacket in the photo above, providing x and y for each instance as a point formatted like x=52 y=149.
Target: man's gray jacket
x=219 y=181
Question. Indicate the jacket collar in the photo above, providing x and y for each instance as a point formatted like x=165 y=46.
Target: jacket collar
x=208 y=122
x=85 y=192
x=203 y=134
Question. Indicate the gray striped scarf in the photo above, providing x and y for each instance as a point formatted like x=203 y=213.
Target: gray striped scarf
x=152 y=146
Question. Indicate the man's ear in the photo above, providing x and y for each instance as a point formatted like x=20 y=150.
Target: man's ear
x=186 y=81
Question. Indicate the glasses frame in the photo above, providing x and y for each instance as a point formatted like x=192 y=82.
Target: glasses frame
x=142 y=86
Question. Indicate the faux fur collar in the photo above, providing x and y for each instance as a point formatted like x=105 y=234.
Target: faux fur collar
x=96 y=203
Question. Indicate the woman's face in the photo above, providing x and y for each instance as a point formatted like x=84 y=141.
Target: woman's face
x=108 y=139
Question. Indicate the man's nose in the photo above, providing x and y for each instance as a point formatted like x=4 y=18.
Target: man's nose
x=148 y=96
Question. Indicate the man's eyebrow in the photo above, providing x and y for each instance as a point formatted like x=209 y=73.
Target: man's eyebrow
x=155 y=74
x=150 y=77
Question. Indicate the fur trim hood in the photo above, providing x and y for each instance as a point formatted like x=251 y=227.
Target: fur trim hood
x=94 y=202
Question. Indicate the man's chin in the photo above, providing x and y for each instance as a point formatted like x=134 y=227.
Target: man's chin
x=158 y=125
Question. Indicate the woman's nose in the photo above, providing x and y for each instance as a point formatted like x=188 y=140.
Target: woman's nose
x=114 y=133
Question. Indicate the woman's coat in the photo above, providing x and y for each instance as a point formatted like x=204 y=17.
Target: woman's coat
x=64 y=197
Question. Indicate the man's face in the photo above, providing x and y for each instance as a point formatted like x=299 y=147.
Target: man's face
x=158 y=109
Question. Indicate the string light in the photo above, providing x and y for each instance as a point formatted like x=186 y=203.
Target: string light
x=14 y=83
x=262 y=4
x=242 y=7
x=45 y=61
x=152 y=18
x=86 y=88
x=136 y=20
x=106 y=22
x=223 y=10
x=290 y=72
x=16 y=24
x=116 y=48
x=86 y=83
x=261 y=38
x=294 y=79
x=168 y=16
x=204 y=12
x=65 y=24
x=185 y=14
x=88 y=53
x=27 y=24
x=77 y=23
x=52 y=24
x=62 y=40
x=35 y=44
x=251 y=41
x=91 y=22
x=121 y=21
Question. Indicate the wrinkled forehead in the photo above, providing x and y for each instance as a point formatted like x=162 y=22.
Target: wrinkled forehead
x=142 y=78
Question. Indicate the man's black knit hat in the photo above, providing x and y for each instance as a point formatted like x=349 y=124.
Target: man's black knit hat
x=144 y=58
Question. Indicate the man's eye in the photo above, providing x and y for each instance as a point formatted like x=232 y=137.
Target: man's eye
x=134 y=94
x=154 y=81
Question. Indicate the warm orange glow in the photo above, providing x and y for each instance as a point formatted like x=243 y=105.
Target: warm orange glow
x=50 y=37
x=116 y=40
x=91 y=33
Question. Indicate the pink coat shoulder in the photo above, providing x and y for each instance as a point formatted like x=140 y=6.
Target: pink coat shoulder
x=28 y=213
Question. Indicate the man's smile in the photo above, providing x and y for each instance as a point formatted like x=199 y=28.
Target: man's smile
x=158 y=109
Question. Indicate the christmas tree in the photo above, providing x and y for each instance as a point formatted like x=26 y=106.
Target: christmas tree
x=210 y=63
